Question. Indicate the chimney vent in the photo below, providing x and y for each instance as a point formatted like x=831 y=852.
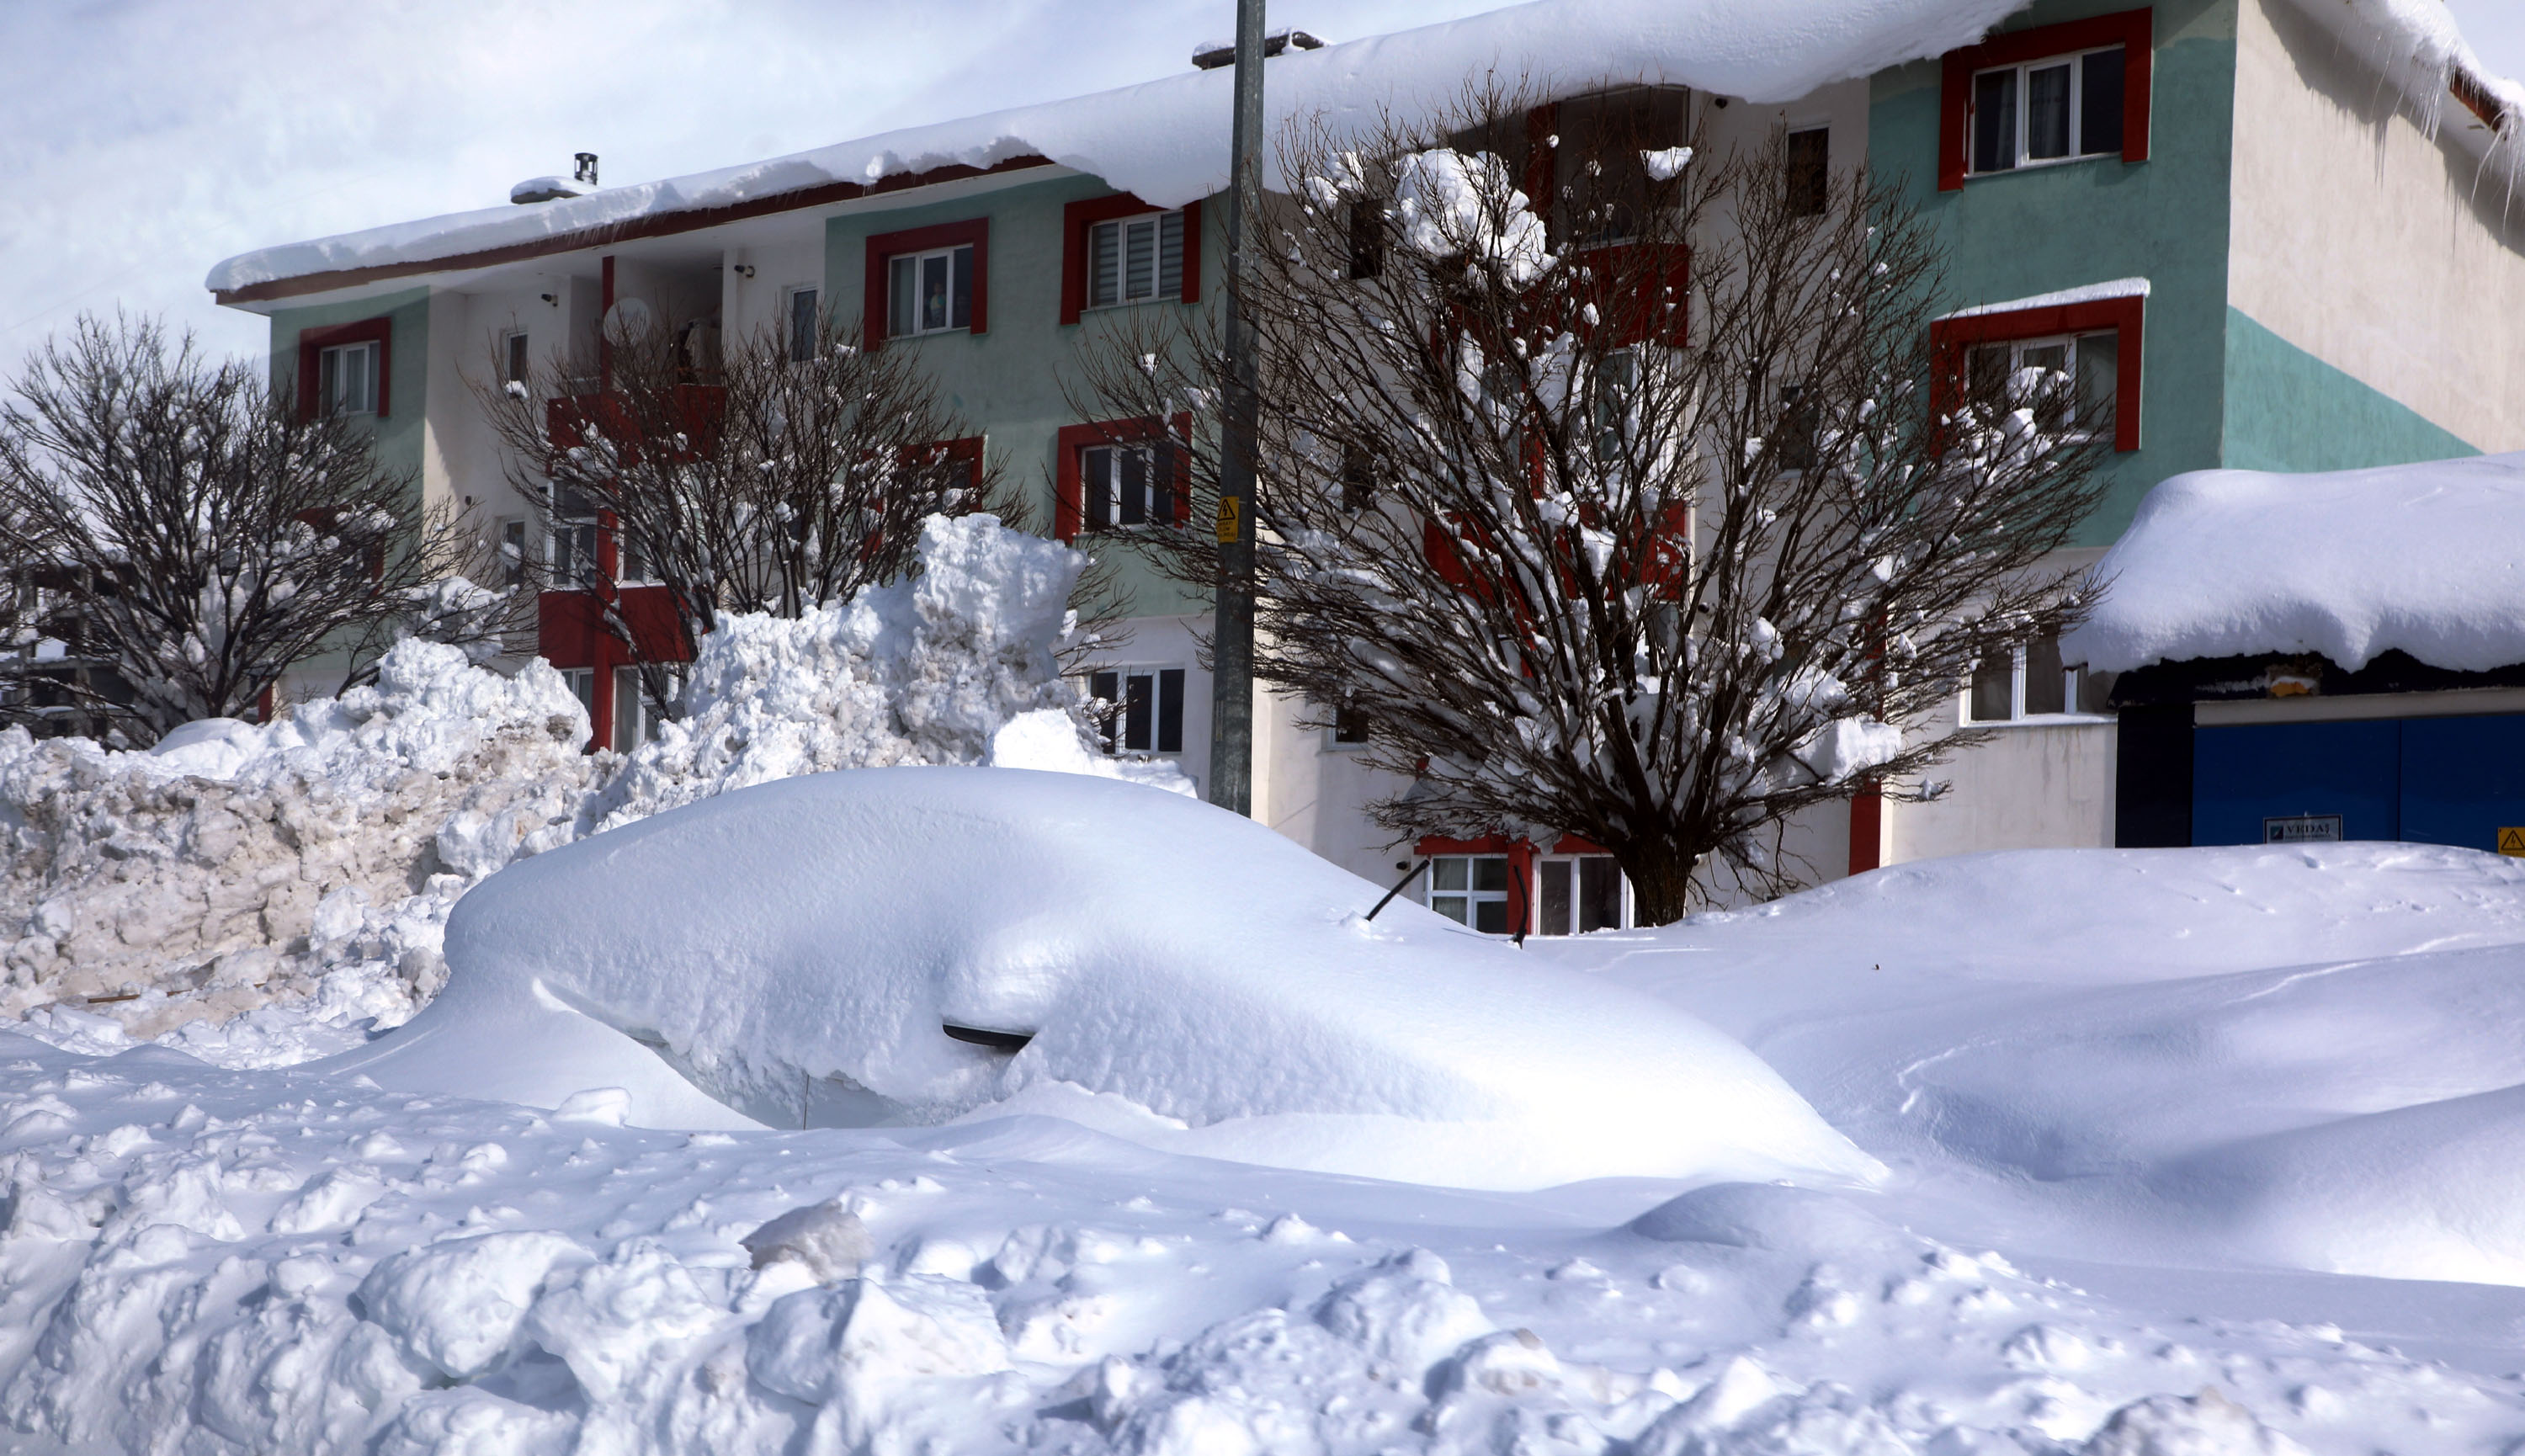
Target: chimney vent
x=586 y=168
x=1210 y=55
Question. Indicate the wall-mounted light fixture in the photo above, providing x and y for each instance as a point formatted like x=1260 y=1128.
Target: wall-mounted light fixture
x=742 y=269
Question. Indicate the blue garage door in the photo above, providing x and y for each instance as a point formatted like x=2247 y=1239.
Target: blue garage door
x=2463 y=778
x=2435 y=780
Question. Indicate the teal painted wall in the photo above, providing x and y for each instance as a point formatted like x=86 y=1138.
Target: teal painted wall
x=2288 y=411
x=1009 y=382
x=400 y=431
x=2021 y=233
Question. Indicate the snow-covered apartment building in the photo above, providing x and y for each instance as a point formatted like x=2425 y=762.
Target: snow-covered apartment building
x=2282 y=229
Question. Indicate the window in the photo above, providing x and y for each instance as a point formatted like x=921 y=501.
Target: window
x=635 y=719
x=582 y=683
x=1578 y=894
x=1472 y=889
x=1117 y=249
x=572 y=549
x=1135 y=259
x=1601 y=183
x=2028 y=681
x=1368 y=237
x=805 y=323
x=1123 y=485
x=513 y=357
x=1357 y=479
x=1809 y=178
x=930 y=292
x=1349 y=729
x=1794 y=448
x=346 y=379
x=934 y=279
x=2047 y=94
x=512 y=563
x=2071 y=380
x=2055 y=110
x=2084 y=359
x=1143 y=708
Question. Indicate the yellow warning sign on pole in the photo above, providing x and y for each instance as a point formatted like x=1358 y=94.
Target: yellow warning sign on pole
x=2512 y=842
x=1228 y=521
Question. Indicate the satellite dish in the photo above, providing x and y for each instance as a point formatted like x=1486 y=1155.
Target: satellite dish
x=629 y=321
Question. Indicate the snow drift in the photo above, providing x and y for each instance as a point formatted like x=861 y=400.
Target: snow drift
x=1175 y=973
x=313 y=861
x=2426 y=559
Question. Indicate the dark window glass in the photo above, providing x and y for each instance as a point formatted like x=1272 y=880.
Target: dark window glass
x=1555 y=917
x=1096 y=483
x=1366 y=237
x=1490 y=872
x=1138 y=713
x=1170 y=688
x=1105 y=264
x=1599 y=893
x=1796 y=450
x=1357 y=479
x=1986 y=372
x=1490 y=917
x=516 y=361
x=1994 y=141
x=1134 y=468
x=2099 y=107
x=2046 y=683
x=903 y=298
x=1350 y=725
x=1994 y=687
x=805 y=324
x=2099 y=367
x=1809 y=177
x=2047 y=112
x=933 y=292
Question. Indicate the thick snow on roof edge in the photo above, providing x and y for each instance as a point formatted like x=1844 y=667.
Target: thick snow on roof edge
x=1166 y=139
x=2427 y=559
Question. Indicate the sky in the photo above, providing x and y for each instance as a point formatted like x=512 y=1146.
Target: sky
x=143 y=140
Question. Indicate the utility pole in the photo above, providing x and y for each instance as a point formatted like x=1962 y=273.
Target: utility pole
x=1231 y=642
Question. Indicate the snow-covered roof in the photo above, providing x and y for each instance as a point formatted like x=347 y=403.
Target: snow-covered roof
x=1166 y=139
x=2426 y=559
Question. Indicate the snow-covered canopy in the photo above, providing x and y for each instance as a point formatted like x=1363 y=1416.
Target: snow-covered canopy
x=1178 y=975
x=2426 y=559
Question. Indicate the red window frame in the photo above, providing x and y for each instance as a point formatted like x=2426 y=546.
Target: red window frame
x=2133 y=29
x=1070 y=501
x=1948 y=338
x=315 y=341
x=1078 y=217
x=884 y=247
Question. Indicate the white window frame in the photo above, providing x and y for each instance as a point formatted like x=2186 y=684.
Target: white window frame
x=516 y=361
x=902 y=318
x=582 y=683
x=1468 y=899
x=1158 y=463
x=2072 y=678
x=1334 y=742
x=2022 y=70
x=2069 y=343
x=573 y=545
x=641 y=725
x=1625 y=911
x=331 y=397
x=1116 y=733
x=1119 y=230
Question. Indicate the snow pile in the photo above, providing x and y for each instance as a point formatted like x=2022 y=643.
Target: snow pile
x=924 y=670
x=312 y=863
x=1166 y=140
x=1174 y=973
x=2427 y=559
x=1455 y=205
x=234 y=866
x=2301 y=1058
x=214 y=1262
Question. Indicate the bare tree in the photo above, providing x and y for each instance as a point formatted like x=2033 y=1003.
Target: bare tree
x=1642 y=512
x=776 y=475
x=197 y=534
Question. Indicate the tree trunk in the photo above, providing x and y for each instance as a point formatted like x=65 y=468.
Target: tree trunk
x=1660 y=875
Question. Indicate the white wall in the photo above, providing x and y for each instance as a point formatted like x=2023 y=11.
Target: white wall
x=2369 y=244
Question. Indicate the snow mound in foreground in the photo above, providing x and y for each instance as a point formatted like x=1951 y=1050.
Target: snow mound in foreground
x=259 y=895
x=2427 y=559
x=1177 y=974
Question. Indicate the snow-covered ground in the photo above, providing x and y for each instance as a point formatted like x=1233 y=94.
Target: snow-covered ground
x=2185 y=1151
